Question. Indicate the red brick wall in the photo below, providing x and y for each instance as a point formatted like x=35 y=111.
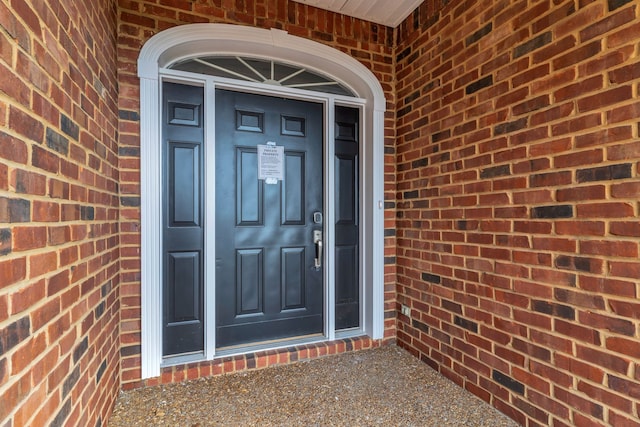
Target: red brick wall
x=518 y=203
x=59 y=279
x=138 y=21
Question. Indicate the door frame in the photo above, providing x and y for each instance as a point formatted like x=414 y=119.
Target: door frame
x=200 y=39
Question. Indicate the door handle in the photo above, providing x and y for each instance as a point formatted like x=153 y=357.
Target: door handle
x=317 y=241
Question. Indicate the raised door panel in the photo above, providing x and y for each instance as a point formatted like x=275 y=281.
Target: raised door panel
x=347 y=274
x=249 y=281
x=293 y=189
x=250 y=191
x=184 y=188
x=184 y=296
x=346 y=178
x=293 y=278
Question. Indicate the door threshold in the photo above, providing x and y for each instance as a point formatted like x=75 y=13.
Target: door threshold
x=350 y=333
x=198 y=356
x=180 y=359
x=269 y=345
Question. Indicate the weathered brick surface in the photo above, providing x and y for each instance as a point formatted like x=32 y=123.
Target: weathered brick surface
x=512 y=165
x=59 y=241
x=520 y=231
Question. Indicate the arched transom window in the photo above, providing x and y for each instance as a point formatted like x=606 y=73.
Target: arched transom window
x=262 y=71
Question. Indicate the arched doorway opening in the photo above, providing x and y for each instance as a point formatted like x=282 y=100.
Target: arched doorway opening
x=200 y=40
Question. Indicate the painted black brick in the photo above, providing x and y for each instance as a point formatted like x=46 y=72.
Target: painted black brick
x=100 y=309
x=5 y=241
x=87 y=213
x=430 y=362
x=420 y=163
x=404 y=54
x=130 y=201
x=251 y=361
x=503 y=128
x=412 y=97
x=542 y=307
x=22 y=181
x=559 y=310
x=419 y=325
x=558 y=211
x=404 y=110
x=106 y=288
x=293 y=354
x=479 y=84
x=605 y=173
x=467 y=324
x=479 y=34
x=573 y=263
x=130 y=350
x=71 y=380
x=18 y=210
x=614 y=4
x=389 y=260
x=129 y=151
x=402 y=167
x=14 y=334
x=389 y=205
x=69 y=127
x=62 y=415
x=508 y=382
x=492 y=172
x=428 y=86
x=564 y=311
x=57 y=142
x=80 y=349
x=433 y=278
x=439 y=136
x=533 y=44
x=463 y=224
x=101 y=369
x=348 y=344
x=411 y=194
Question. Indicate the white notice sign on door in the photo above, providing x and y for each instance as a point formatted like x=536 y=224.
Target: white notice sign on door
x=270 y=163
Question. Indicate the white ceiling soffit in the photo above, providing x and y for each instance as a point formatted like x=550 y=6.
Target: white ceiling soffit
x=387 y=12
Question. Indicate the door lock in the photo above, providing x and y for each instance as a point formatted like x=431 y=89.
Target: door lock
x=317 y=218
x=317 y=241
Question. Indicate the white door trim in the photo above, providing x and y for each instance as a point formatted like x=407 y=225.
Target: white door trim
x=200 y=39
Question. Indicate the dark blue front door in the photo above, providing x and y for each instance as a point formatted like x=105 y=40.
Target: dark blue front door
x=268 y=285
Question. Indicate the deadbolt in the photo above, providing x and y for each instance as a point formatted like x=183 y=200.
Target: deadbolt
x=317 y=217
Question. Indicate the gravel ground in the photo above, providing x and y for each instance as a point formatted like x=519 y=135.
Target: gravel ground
x=384 y=386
